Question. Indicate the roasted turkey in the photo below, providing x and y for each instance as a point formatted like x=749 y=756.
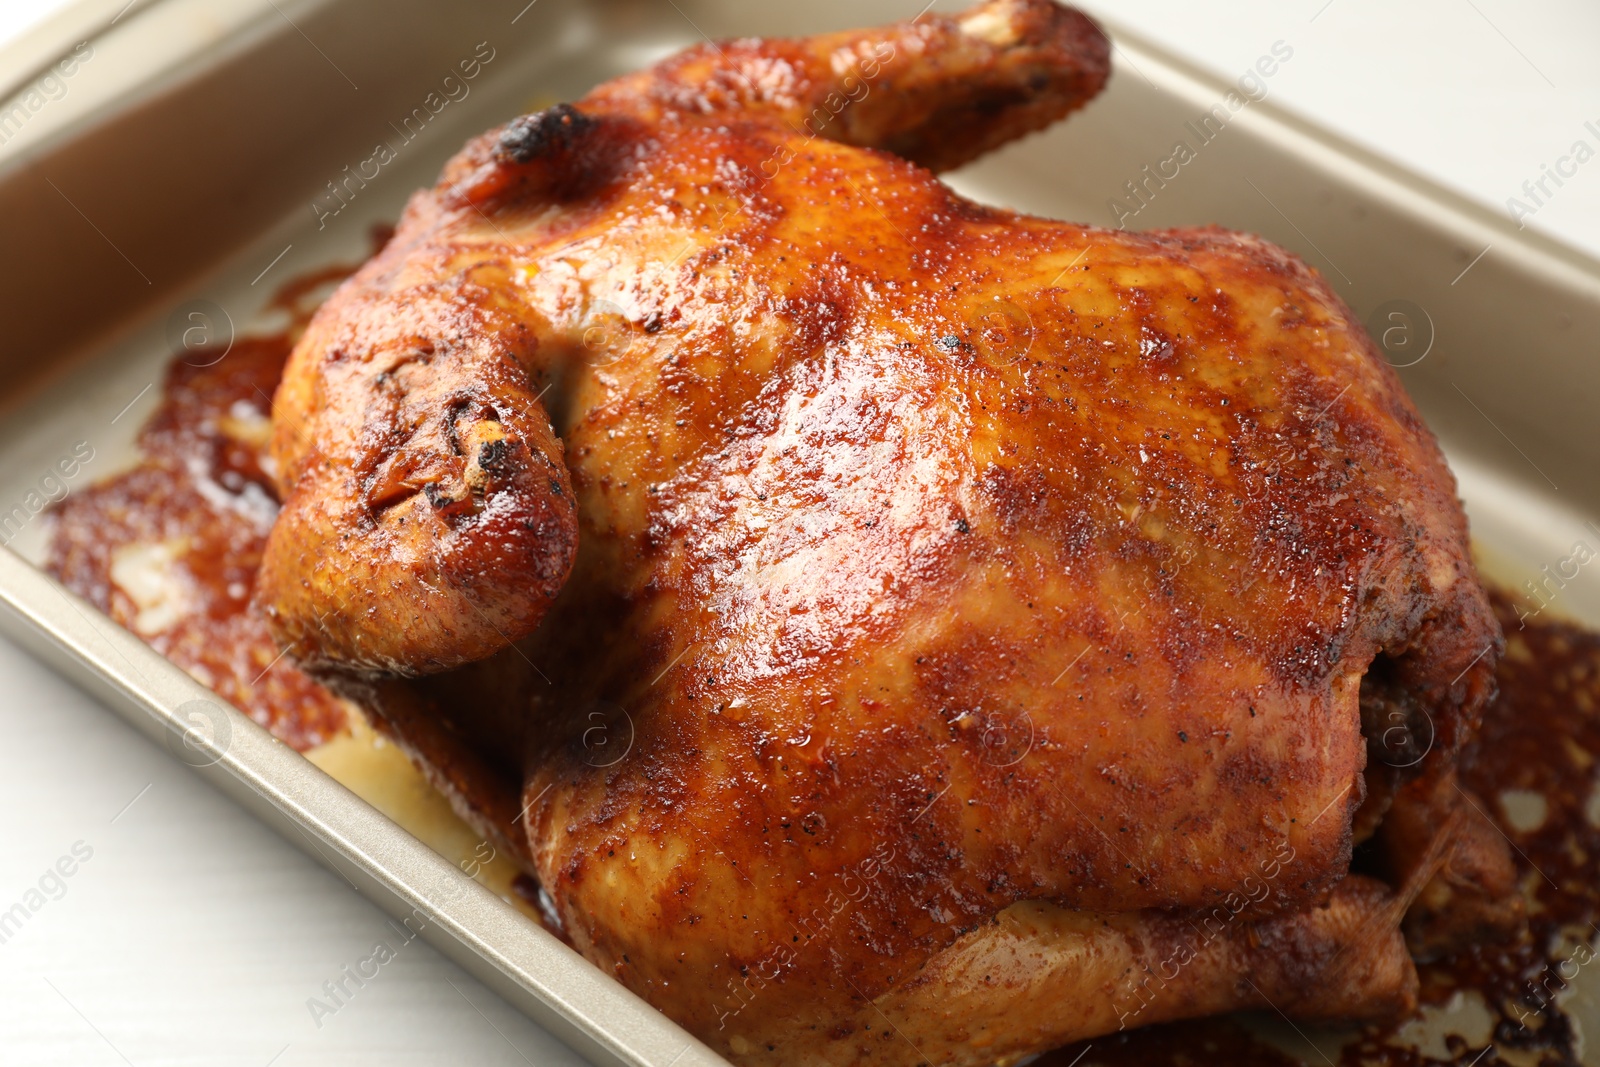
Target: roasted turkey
x=893 y=629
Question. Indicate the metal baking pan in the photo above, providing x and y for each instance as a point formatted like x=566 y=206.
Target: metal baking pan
x=187 y=164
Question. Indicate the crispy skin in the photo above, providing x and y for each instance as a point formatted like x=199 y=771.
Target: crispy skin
x=426 y=367
x=1038 y=976
x=428 y=514
x=938 y=91
x=934 y=558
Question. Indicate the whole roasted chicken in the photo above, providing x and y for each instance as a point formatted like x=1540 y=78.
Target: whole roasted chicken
x=893 y=629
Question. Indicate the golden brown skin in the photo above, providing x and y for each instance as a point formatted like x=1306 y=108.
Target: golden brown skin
x=431 y=359
x=428 y=515
x=1039 y=976
x=934 y=559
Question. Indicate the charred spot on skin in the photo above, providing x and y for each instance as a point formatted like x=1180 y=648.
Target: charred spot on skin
x=531 y=136
x=436 y=496
x=492 y=455
x=452 y=436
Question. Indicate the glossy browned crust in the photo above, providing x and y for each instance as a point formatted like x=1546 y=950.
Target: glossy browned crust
x=1037 y=976
x=428 y=517
x=934 y=558
x=939 y=91
x=420 y=365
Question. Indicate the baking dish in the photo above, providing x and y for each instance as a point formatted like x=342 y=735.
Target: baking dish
x=204 y=153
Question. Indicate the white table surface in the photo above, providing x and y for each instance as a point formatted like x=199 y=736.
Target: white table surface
x=193 y=935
